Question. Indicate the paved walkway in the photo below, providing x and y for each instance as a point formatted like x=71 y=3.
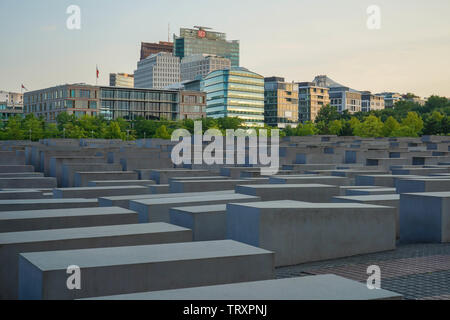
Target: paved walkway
x=419 y=271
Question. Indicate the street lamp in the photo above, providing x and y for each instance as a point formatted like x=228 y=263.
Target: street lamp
x=30 y=133
x=64 y=133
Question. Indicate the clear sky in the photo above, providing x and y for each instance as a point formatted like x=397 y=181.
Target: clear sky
x=295 y=39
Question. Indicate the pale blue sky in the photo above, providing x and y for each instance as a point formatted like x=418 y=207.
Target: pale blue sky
x=295 y=39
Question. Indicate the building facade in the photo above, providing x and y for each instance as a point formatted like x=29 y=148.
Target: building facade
x=311 y=98
x=77 y=99
x=280 y=103
x=114 y=102
x=121 y=80
x=11 y=104
x=157 y=71
x=235 y=92
x=390 y=98
x=371 y=102
x=147 y=48
x=202 y=40
x=200 y=65
x=344 y=98
x=192 y=105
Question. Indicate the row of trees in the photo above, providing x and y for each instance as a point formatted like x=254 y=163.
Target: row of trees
x=406 y=119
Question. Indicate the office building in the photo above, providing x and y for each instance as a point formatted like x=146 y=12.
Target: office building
x=114 y=102
x=280 y=103
x=121 y=80
x=199 y=66
x=344 y=98
x=235 y=92
x=390 y=98
x=157 y=71
x=11 y=104
x=147 y=48
x=311 y=98
x=201 y=40
x=371 y=102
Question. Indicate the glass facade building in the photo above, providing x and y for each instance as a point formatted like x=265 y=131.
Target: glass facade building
x=235 y=92
x=204 y=41
x=280 y=103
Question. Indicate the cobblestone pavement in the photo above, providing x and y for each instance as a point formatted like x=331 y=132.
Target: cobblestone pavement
x=419 y=271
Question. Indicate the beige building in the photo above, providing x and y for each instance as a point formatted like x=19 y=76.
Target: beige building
x=280 y=103
x=11 y=104
x=344 y=98
x=311 y=98
x=200 y=65
x=371 y=102
x=123 y=80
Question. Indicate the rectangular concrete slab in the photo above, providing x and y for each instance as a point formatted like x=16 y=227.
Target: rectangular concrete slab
x=328 y=180
x=81 y=179
x=425 y=217
x=41 y=204
x=301 y=192
x=13 y=243
x=28 y=182
x=206 y=222
x=104 y=183
x=300 y=232
x=96 y=192
x=321 y=287
x=423 y=185
x=14 y=221
x=124 y=201
x=120 y=270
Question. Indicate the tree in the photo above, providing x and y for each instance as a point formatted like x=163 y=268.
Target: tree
x=307 y=129
x=414 y=122
x=433 y=124
x=327 y=114
x=390 y=125
x=335 y=127
x=113 y=131
x=371 y=127
x=33 y=127
x=162 y=133
x=13 y=130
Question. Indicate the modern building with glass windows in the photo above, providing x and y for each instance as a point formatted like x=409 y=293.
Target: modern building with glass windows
x=157 y=71
x=311 y=98
x=280 y=103
x=202 y=40
x=114 y=102
x=199 y=66
x=235 y=92
x=371 y=102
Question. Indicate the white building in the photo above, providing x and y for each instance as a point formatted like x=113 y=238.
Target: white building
x=157 y=71
x=200 y=65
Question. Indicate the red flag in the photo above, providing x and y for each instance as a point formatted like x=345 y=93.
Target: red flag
x=98 y=72
x=23 y=87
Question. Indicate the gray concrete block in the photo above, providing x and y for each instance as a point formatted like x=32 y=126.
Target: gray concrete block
x=207 y=185
x=206 y=222
x=111 y=271
x=81 y=179
x=300 y=232
x=321 y=287
x=14 y=243
x=28 y=220
x=162 y=176
x=328 y=180
x=423 y=185
x=425 y=217
x=16 y=168
x=103 y=183
x=19 y=194
x=68 y=171
x=96 y=192
x=28 y=182
x=300 y=192
x=42 y=204
x=157 y=210
x=124 y=201
x=368 y=192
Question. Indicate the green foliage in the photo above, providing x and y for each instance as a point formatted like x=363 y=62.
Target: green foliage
x=390 y=125
x=162 y=133
x=371 y=127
